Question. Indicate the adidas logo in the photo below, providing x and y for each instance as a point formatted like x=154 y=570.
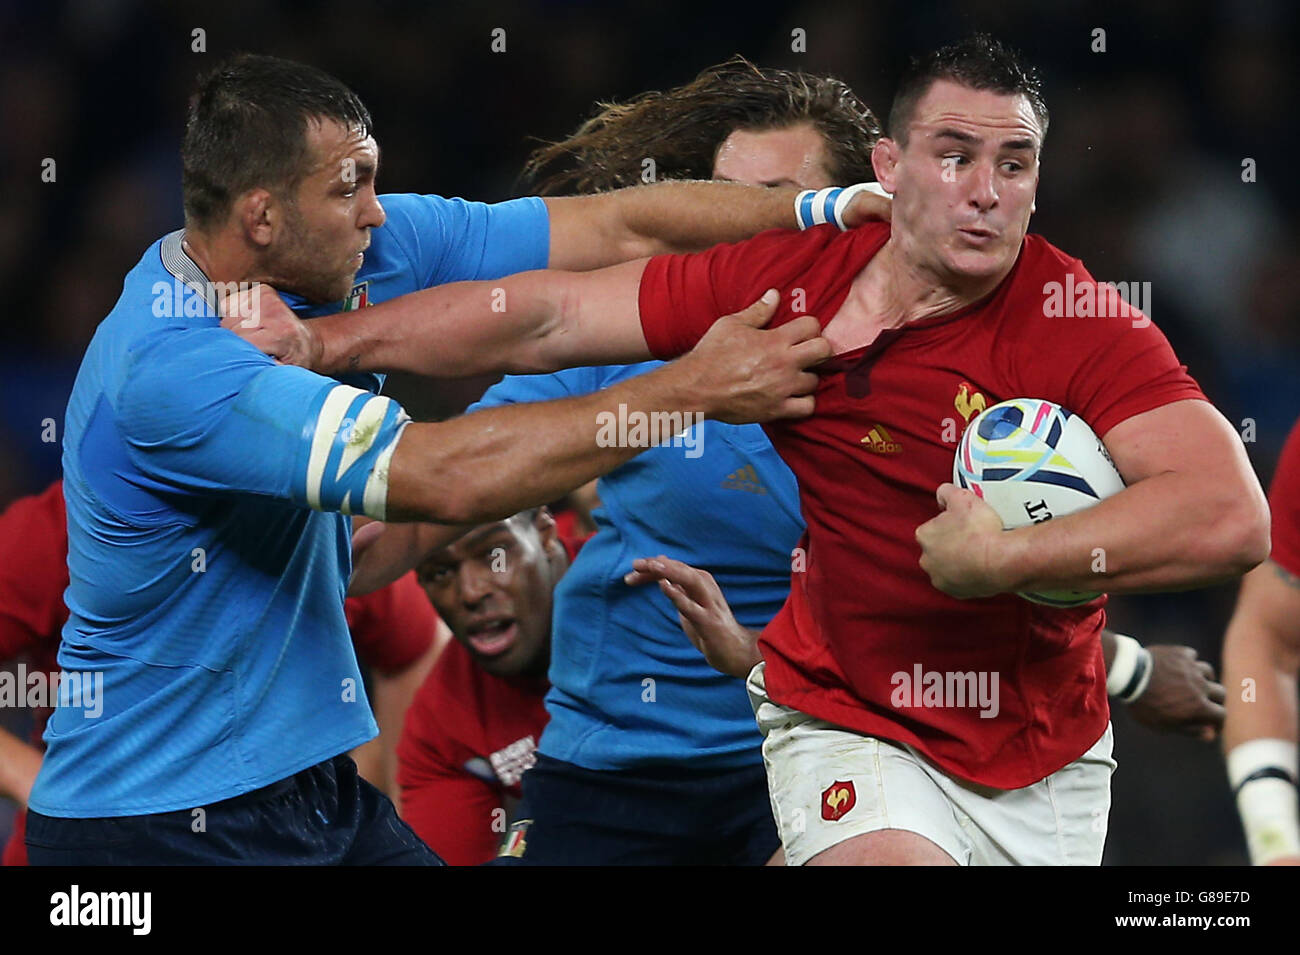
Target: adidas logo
x=879 y=441
x=746 y=479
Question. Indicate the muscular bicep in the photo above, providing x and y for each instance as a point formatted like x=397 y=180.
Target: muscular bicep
x=1182 y=436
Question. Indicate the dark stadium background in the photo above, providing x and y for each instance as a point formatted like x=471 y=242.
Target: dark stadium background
x=1142 y=179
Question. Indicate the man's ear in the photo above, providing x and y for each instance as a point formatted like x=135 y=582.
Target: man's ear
x=549 y=535
x=258 y=216
x=547 y=532
x=884 y=160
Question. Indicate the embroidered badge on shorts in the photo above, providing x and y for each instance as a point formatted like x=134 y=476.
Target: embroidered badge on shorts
x=837 y=800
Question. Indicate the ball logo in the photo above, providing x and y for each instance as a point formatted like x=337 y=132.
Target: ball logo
x=837 y=800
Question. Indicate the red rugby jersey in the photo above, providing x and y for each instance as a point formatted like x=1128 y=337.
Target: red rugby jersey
x=392 y=627
x=467 y=740
x=1284 y=502
x=33 y=577
x=868 y=462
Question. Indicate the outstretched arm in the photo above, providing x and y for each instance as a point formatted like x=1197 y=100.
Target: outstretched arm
x=590 y=232
x=492 y=463
x=525 y=323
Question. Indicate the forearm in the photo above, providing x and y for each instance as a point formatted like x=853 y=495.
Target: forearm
x=449 y=331
x=591 y=232
x=19 y=763
x=527 y=323
x=1260 y=676
x=1173 y=531
x=493 y=463
x=689 y=216
x=1261 y=658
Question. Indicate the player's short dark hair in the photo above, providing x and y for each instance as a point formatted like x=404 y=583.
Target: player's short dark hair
x=683 y=128
x=247 y=128
x=979 y=62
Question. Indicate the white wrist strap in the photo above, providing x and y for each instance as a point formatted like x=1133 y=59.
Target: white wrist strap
x=1262 y=773
x=820 y=206
x=1130 y=672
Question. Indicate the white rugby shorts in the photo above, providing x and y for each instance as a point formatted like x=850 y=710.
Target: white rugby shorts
x=828 y=784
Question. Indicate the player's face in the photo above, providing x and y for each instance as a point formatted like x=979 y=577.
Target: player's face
x=493 y=588
x=964 y=184
x=325 y=227
x=794 y=156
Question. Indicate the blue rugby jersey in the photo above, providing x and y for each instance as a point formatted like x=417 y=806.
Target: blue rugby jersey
x=721 y=499
x=207 y=570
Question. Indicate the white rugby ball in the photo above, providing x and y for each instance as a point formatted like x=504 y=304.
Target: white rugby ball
x=1032 y=460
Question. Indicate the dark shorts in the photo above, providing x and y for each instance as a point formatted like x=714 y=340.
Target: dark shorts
x=658 y=816
x=324 y=815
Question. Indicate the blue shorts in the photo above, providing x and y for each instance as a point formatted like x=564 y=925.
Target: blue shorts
x=649 y=816
x=324 y=815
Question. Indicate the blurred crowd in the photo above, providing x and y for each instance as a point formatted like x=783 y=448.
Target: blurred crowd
x=1167 y=161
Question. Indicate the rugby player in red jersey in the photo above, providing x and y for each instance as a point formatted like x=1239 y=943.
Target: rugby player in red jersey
x=1261 y=661
x=395 y=632
x=949 y=310
x=473 y=726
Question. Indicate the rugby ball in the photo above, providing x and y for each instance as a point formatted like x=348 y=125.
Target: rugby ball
x=1032 y=460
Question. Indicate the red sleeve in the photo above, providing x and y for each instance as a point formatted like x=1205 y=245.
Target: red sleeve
x=392 y=627
x=33 y=571
x=1284 y=501
x=682 y=295
x=1119 y=366
x=450 y=809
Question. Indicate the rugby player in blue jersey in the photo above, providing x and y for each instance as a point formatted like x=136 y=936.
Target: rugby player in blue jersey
x=208 y=486
x=651 y=756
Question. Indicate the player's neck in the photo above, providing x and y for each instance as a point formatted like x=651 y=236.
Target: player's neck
x=909 y=290
x=221 y=257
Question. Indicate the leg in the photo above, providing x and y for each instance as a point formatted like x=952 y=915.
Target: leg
x=591 y=817
x=884 y=847
x=842 y=798
x=382 y=837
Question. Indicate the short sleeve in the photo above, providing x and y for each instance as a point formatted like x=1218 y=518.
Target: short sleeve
x=202 y=411
x=33 y=571
x=1118 y=363
x=681 y=296
x=454 y=240
x=1284 y=502
x=392 y=627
